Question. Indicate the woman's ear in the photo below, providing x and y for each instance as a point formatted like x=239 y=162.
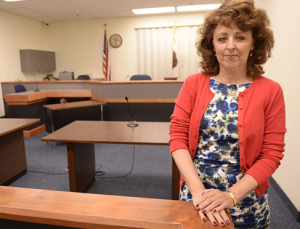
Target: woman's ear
x=253 y=44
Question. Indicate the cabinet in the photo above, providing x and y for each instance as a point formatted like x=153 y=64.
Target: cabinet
x=37 y=60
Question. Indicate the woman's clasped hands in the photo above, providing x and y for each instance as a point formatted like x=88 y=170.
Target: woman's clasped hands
x=213 y=203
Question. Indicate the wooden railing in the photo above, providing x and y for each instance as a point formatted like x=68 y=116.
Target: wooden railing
x=83 y=210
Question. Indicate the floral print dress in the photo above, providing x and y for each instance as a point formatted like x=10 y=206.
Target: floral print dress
x=217 y=158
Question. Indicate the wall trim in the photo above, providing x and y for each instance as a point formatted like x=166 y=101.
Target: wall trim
x=285 y=199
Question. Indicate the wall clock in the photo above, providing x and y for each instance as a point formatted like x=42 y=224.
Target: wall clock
x=115 y=40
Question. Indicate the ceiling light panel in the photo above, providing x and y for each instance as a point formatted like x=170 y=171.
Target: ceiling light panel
x=13 y=0
x=154 y=10
x=198 y=7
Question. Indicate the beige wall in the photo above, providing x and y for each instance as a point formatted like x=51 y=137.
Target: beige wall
x=78 y=46
x=18 y=33
x=283 y=68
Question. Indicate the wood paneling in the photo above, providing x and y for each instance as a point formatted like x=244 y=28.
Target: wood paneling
x=12 y=155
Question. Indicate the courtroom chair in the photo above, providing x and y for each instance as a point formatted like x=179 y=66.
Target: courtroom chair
x=83 y=77
x=19 y=88
x=140 y=77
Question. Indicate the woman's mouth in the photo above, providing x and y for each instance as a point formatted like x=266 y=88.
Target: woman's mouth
x=230 y=56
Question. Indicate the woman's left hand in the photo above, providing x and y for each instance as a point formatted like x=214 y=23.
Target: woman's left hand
x=216 y=201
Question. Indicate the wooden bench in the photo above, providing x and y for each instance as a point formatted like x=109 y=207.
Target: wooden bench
x=83 y=210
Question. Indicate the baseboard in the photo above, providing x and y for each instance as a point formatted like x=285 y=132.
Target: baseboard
x=285 y=199
x=33 y=132
x=16 y=177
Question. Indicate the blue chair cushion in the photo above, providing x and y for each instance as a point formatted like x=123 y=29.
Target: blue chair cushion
x=19 y=88
x=140 y=77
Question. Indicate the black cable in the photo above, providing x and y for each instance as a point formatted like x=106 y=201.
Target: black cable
x=103 y=173
x=99 y=174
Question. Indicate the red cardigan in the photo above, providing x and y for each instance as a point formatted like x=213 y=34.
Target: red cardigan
x=261 y=124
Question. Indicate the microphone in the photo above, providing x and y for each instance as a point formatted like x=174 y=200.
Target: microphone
x=125 y=78
x=37 y=89
x=132 y=123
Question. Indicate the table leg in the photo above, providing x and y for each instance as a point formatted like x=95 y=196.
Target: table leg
x=175 y=181
x=81 y=163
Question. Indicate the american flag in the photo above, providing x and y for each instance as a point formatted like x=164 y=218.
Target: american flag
x=106 y=59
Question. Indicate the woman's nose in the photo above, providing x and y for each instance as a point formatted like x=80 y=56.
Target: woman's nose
x=231 y=44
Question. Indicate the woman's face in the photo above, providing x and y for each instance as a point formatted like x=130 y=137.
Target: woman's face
x=232 y=47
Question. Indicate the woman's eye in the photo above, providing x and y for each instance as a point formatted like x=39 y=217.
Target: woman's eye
x=222 y=39
x=241 y=38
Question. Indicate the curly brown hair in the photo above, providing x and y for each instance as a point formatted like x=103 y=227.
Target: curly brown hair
x=246 y=17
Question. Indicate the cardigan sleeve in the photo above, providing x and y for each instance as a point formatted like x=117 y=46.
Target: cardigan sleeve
x=180 y=119
x=273 y=139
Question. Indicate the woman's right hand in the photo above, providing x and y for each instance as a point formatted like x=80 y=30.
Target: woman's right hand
x=198 y=199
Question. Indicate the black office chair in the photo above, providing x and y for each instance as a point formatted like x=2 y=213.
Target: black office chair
x=19 y=88
x=140 y=77
x=83 y=77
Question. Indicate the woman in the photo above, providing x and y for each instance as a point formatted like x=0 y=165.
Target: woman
x=227 y=129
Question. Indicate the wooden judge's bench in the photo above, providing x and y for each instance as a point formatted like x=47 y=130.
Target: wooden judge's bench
x=149 y=100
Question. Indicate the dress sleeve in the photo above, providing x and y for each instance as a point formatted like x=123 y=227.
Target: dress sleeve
x=180 y=119
x=273 y=140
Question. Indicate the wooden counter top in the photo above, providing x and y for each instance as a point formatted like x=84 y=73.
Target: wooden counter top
x=8 y=125
x=72 y=105
x=29 y=96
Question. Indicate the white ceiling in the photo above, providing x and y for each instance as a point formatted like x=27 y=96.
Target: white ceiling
x=66 y=10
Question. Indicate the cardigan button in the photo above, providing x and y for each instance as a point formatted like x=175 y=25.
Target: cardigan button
x=241 y=108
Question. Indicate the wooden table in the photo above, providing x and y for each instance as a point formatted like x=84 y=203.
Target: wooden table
x=82 y=110
x=80 y=137
x=12 y=148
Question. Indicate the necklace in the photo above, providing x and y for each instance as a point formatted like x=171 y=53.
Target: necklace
x=231 y=92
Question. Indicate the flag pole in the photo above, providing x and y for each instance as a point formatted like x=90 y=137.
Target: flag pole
x=175 y=70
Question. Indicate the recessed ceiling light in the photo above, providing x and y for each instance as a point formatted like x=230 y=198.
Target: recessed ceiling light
x=13 y=0
x=198 y=7
x=154 y=10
